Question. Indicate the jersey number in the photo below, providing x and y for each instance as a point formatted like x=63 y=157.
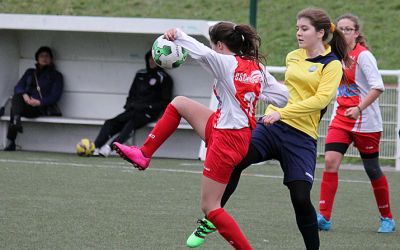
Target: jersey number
x=250 y=98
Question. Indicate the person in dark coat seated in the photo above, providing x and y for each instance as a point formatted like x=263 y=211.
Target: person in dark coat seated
x=36 y=94
x=149 y=94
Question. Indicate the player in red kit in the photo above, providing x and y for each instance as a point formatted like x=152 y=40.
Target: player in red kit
x=356 y=118
x=240 y=80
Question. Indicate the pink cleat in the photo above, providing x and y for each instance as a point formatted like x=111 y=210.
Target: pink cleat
x=133 y=155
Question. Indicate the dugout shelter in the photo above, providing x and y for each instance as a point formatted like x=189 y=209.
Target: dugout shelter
x=98 y=57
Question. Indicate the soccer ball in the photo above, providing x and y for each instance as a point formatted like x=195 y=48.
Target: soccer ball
x=85 y=147
x=167 y=54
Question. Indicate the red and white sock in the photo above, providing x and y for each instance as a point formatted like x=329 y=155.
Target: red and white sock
x=164 y=128
x=329 y=186
x=381 y=192
x=229 y=229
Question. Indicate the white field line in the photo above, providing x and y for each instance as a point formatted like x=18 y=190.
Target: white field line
x=124 y=166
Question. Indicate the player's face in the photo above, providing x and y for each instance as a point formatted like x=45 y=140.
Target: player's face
x=44 y=59
x=307 y=36
x=348 y=28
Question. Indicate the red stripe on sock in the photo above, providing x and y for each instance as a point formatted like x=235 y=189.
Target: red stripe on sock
x=329 y=186
x=381 y=192
x=164 y=128
x=229 y=229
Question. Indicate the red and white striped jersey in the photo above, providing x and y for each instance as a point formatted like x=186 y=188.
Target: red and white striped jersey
x=238 y=84
x=362 y=76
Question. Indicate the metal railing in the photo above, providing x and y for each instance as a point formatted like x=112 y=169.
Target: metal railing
x=388 y=102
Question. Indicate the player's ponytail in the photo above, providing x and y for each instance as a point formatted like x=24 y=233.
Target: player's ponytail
x=241 y=39
x=339 y=46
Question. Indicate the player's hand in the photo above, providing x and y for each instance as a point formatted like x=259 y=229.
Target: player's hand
x=170 y=34
x=35 y=102
x=271 y=118
x=352 y=113
x=27 y=98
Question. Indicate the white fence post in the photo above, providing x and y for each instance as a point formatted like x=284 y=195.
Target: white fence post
x=398 y=123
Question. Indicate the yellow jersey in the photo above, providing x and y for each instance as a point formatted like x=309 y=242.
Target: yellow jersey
x=312 y=84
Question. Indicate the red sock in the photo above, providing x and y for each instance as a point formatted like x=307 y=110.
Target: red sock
x=327 y=194
x=228 y=228
x=163 y=129
x=381 y=191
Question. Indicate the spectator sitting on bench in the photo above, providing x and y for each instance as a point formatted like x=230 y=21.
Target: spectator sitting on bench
x=36 y=94
x=150 y=93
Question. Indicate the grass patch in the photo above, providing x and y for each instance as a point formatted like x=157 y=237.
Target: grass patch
x=62 y=201
x=275 y=19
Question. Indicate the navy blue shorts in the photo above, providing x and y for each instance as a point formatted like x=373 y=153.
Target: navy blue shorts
x=295 y=150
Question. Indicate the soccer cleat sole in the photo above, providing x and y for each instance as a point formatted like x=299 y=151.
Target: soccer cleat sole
x=123 y=156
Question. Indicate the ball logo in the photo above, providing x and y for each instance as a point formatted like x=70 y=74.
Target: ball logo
x=312 y=68
x=152 y=81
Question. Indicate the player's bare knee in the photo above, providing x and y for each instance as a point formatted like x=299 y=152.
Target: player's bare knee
x=179 y=103
x=179 y=100
x=331 y=164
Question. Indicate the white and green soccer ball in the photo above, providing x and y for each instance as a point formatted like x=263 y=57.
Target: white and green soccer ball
x=167 y=54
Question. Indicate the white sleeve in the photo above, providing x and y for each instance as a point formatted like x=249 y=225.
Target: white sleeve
x=273 y=92
x=217 y=64
x=367 y=64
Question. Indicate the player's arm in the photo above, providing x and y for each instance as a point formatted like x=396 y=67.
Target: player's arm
x=367 y=64
x=273 y=92
x=212 y=61
x=22 y=85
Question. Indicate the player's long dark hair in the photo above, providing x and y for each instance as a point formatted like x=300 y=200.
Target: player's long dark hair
x=241 y=39
x=321 y=21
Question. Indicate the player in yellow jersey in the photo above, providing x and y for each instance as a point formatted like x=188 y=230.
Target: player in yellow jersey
x=289 y=134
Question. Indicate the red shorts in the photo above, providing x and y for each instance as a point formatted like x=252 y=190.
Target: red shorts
x=225 y=149
x=366 y=143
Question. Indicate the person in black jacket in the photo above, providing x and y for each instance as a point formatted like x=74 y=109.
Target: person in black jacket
x=150 y=93
x=38 y=90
